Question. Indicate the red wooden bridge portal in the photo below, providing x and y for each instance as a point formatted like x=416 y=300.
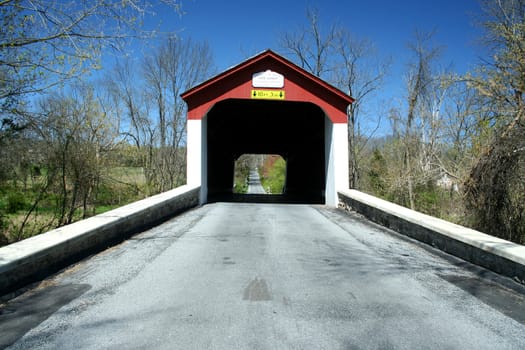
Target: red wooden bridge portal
x=268 y=105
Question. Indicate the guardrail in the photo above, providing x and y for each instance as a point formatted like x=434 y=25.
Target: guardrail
x=37 y=257
x=493 y=253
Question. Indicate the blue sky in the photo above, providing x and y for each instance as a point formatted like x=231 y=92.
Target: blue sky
x=238 y=29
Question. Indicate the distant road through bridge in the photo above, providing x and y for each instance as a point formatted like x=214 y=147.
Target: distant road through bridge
x=254 y=183
x=267 y=276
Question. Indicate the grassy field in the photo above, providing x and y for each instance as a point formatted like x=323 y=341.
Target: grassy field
x=21 y=218
x=273 y=174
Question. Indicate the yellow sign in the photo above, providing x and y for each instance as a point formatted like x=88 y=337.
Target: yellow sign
x=268 y=94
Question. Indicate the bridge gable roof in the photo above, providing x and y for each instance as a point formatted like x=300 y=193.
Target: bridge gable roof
x=236 y=83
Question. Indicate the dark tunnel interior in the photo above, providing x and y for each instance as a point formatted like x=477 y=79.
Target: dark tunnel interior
x=294 y=130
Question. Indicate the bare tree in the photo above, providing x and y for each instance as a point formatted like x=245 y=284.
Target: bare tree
x=175 y=66
x=44 y=42
x=462 y=128
x=155 y=112
x=347 y=62
x=311 y=46
x=361 y=75
x=126 y=95
x=419 y=80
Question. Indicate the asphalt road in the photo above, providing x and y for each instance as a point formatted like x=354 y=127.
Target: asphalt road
x=267 y=276
x=254 y=183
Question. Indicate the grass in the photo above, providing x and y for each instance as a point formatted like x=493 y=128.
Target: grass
x=119 y=186
x=132 y=175
x=273 y=176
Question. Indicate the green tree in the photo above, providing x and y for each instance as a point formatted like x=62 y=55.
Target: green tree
x=377 y=183
x=495 y=189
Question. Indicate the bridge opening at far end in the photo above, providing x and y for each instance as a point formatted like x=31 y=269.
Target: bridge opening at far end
x=259 y=174
x=293 y=130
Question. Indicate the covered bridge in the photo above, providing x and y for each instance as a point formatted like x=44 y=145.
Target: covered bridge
x=268 y=105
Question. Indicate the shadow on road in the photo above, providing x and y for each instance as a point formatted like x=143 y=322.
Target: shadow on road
x=266 y=198
x=26 y=312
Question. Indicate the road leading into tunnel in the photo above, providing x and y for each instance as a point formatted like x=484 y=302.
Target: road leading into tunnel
x=267 y=276
x=254 y=183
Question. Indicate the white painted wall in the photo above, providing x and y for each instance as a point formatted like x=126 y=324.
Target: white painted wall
x=194 y=152
x=196 y=171
x=336 y=160
x=204 y=160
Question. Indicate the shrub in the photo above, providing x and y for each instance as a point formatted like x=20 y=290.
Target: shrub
x=15 y=202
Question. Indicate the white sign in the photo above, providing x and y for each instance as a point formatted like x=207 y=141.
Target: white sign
x=268 y=79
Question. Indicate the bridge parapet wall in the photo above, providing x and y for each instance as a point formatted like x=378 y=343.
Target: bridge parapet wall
x=37 y=257
x=498 y=255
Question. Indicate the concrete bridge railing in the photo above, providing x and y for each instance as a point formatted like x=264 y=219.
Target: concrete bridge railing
x=34 y=258
x=493 y=253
